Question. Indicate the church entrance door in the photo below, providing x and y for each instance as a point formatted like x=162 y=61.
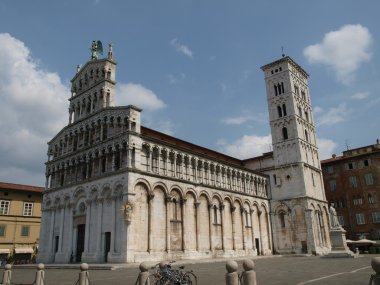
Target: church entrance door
x=107 y=245
x=80 y=242
x=257 y=243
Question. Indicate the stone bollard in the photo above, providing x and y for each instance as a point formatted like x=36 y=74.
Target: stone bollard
x=375 y=278
x=83 y=275
x=249 y=275
x=144 y=274
x=232 y=276
x=7 y=274
x=40 y=275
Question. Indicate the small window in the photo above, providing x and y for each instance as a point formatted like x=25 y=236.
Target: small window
x=353 y=182
x=25 y=231
x=285 y=133
x=366 y=162
x=2 y=230
x=350 y=165
x=368 y=179
x=330 y=169
x=28 y=209
x=4 y=207
x=284 y=109
x=306 y=136
x=296 y=90
x=332 y=185
x=282 y=219
x=360 y=219
x=376 y=217
x=371 y=199
x=279 y=111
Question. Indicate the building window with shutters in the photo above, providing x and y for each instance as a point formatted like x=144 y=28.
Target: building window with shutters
x=360 y=219
x=353 y=182
x=368 y=179
x=28 y=209
x=4 y=207
x=376 y=217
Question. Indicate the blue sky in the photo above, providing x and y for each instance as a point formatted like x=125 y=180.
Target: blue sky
x=193 y=66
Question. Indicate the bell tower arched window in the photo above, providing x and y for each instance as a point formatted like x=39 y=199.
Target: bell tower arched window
x=284 y=133
x=284 y=109
x=279 y=110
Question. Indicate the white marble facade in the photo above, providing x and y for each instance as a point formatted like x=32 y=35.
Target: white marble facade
x=119 y=192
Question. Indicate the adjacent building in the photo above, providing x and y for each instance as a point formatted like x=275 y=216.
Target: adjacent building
x=352 y=183
x=117 y=191
x=20 y=219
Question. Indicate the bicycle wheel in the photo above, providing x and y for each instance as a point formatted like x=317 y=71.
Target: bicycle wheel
x=190 y=278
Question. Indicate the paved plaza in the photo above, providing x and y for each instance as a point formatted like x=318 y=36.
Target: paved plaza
x=270 y=271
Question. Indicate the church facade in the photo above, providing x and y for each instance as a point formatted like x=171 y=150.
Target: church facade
x=117 y=191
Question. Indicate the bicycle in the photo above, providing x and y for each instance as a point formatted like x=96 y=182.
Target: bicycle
x=166 y=275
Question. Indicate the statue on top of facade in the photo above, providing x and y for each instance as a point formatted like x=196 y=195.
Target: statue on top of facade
x=334 y=222
x=96 y=49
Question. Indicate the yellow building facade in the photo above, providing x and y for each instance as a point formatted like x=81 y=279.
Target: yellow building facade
x=20 y=219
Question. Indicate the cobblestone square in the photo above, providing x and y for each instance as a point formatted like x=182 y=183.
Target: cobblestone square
x=270 y=271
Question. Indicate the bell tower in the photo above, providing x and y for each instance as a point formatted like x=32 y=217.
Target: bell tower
x=93 y=86
x=298 y=198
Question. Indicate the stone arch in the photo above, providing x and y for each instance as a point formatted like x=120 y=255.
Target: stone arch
x=162 y=186
x=79 y=192
x=143 y=181
x=177 y=189
x=206 y=194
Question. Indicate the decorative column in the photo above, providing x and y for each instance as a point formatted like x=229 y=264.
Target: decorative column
x=253 y=232
x=150 y=222
x=99 y=209
x=70 y=229
x=51 y=234
x=261 y=232
x=242 y=212
x=113 y=160
x=184 y=241
x=87 y=229
x=113 y=221
x=60 y=242
x=211 y=215
x=168 y=215
x=197 y=225
x=233 y=208
x=223 y=217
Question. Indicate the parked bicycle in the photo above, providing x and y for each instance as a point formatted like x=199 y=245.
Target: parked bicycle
x=165 y=274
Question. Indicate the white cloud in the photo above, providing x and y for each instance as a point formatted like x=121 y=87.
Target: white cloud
x=239 y=120
x=360 y=95
x=138 y=95
x=343 y=51
x=33 y=109
x=174 y=79
x=247 y=146
x=326 y=148
x=332 y=116
x=181 y=48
